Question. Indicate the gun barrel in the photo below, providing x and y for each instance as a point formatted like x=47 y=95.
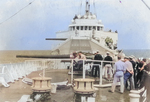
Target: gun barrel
x=56 y=39
x=44 y=56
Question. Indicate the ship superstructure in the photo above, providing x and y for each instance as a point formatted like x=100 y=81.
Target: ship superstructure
x=86 y=33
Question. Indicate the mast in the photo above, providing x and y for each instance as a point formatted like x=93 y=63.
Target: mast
x=87 y=7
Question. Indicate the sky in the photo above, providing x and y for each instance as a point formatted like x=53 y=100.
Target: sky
x=24 y=24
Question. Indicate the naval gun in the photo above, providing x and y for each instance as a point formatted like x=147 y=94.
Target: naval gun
x=56 y=56
x=47 y=56
x=44 y=56
x=88 y=56
x=56 y=39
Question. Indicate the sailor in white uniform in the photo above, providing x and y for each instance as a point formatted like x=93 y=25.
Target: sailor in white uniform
x=118 y=75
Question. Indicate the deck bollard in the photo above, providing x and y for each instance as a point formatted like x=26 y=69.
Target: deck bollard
x=134 y=97
x=84 y=86
x=53 y=89
x=135 y=91
x=83 y=99
x=41 y=84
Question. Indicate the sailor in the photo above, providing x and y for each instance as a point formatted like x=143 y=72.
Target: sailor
x=80 y=62
x=142 y=66
x=129 y=70
x=81 y=56
x=133 y=77
x=107 y=66
x=98 y=56
x=119 y=70
x=121 y=54
x=74 y=55
x=115 y=57
x=146 y=81
x=96 y=65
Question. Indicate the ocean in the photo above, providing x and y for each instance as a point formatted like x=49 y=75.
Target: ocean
x=141 y=53
x=9 y=56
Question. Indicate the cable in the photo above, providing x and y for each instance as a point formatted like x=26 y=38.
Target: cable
x=16 y=13
x=94 y=7
x=132 y=16
x=146 y=4
x=80 y=7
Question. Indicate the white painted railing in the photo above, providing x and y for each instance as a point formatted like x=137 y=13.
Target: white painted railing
x=12 y=72
x=142 y=94
x=58 y=64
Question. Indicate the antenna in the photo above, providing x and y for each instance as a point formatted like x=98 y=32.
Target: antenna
x=87 y=6
x=87 y=10
x=94 y=7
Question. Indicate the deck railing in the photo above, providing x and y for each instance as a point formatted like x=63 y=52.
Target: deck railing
x=142 y=95
x=14 y=71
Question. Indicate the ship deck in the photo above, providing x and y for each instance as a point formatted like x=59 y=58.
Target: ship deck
x=18 y=88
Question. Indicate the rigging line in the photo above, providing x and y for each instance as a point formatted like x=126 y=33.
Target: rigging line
x=80 y=7
x=146 y=4
x=132 y=16
x=16 y=12
x=78 y=10
x=94 y=7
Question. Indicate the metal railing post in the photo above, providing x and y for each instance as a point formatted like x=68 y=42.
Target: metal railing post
x=43 y=68
x=71 y=71
x=100 y=81
x=83 y=70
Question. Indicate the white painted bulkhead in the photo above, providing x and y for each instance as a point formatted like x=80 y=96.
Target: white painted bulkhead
x=86 y=33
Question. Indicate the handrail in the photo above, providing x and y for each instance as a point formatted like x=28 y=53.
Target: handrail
x=143 y=92
x=71 y=64
x=14 y=71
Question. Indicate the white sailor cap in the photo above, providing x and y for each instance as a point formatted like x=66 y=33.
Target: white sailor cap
x=107 y=52
x=126 y=57
x=130 y=57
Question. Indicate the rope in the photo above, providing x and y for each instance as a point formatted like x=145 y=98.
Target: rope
x=16 y=13
x=80 y=7
x=94 y=7
x=146 y=4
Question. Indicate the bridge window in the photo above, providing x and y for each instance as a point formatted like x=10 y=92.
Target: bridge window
x=73 y=27
x=90 y=27
x=94 y=27
x=77 y=27
x=98 y=28
x=81 y=27
x=85 y=27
